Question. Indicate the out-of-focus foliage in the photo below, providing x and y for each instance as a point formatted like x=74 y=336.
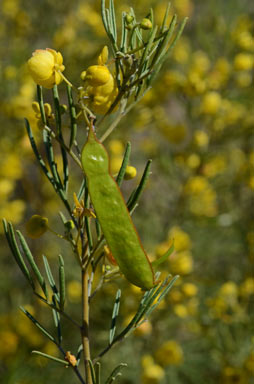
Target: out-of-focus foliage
x=197 y=124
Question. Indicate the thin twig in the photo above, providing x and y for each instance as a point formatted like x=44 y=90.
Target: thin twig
x=85 y=326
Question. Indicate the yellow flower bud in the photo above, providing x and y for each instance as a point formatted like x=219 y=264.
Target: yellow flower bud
x=47 y=109
x=146 y=24
x=103 y=57
x=97 y=75
x=36 y=107
x=36 y=226
x=130 y=172
x=45 y=67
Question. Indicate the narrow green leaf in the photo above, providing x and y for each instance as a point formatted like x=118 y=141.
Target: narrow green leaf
x=162 y=295
x=115 y=372
x=136 y=195
x=51 y=158
x=61 y=282
x=10 y=236
x=162 y=48
x=103 y=16
x=63 y=218
x=81 y=189
x=92 y=371
x=37 y=154
x=125 y=162
x=73 y=116
x=163 y=26
x=97 y=368
x=38 y=325
x=87 y=221
x=50 y=278
x=113 y=19
x=164 y=257
x=78 y=356
x=56 y=359
x=60 y=135
x=98 y=229
x=114 y=316
x=32 y=263
x=147 y=48
x=179 y=33
x=123 y=45
x=57 y=319
x=41 y=104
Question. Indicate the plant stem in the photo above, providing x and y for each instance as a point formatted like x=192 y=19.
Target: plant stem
x=85 y=326
x=75 y=368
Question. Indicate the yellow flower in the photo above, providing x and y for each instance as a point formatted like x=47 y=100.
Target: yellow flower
x=189 y=289
x=249 y=363
x=229 y=289
x=181 y=263
x=233 y=375
x=201 y=138
x=36 y=226
x=103 y=57
x=45 y=67
x=144 y=329
x=211 y=103
x=153 y=373
x=170 y=353
x=193 y=161
x=181 y=310
x=116 y=147
x=100 y=88
x=99 y=98
x=244 y=79
x=202 y=197
x=10 y=343
x=74 y=291
x=96 y=75
x=115 y=164
x=181 y=239
x=243 y=62
x=247 y=287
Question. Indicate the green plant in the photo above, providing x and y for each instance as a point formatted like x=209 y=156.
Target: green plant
x=137 y=59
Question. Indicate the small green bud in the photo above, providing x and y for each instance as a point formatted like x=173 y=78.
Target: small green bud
x=36 y=226
x=146 y=24
x=129 y=18
x=69 y=225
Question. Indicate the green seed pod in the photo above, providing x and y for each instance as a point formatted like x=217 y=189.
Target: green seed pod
x=113 y=215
